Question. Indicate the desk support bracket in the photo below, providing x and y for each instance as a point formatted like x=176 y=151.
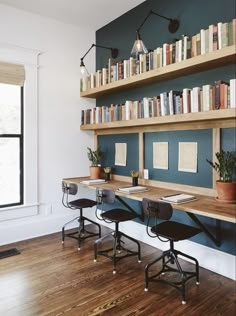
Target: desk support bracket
x=217 y=238
x=140 y=216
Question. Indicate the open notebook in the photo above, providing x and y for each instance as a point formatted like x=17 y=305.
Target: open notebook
x=130 y=190
x=178 y=198
x=95 y=181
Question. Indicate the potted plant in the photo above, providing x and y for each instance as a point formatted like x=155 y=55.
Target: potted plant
x=225 y=165
x=94 y=157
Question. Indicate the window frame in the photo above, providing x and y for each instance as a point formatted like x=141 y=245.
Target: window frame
x=19 y=136
x=29 y=58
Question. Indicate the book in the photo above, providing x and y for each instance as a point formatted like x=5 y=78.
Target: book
x=195 y=99
x=178 y=198
x=206 y=104
x=164 y=104
x=232 y=91
x=131 y=189
x=95 y=181
x=186 y=100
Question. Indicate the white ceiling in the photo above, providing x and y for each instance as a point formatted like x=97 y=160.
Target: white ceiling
x=93 y=14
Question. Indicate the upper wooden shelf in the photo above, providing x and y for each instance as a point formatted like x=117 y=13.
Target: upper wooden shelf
x=221 y=118
x=199 y=63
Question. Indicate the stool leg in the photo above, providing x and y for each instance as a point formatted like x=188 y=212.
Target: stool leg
x=96 y=250
x=136 y=242
x=81 y=229
x=96 y=243
x=182 y=274
x=196 y=264
x=146 y=271
x=116 y=239
x=63 y=235
x=64 y=227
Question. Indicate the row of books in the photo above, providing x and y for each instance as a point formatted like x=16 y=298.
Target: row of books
x=219 y=95
x=207 y=40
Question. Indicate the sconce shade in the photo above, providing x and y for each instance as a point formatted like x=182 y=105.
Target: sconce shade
x=138 y=47
x=114 y=54
x=82 y=67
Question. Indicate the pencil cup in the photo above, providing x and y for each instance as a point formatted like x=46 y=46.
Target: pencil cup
x=134 y=181
x=107 y=176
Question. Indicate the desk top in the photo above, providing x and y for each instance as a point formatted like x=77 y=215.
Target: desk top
x=204 y=205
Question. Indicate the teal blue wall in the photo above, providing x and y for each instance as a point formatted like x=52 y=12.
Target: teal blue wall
x=203 y=177
x=107 y=144
x=120 y=33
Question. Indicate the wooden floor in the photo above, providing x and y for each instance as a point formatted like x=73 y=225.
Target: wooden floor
x=48 y=278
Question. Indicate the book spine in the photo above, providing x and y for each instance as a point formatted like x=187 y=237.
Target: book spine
x=186 y=101
x=220 y=34
x=82 y=117
x=215 y=37
x=211 y=29
x=234 y=31
x=232 y=92
x=164 y=104
x=202 y=41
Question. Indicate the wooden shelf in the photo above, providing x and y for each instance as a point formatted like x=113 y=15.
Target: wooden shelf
x=199 y=63
x=224 y=117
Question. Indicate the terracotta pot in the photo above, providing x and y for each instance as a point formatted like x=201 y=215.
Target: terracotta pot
x=226 y=191
x=95 y=172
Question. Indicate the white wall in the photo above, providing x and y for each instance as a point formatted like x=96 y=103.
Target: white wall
x=62 y=147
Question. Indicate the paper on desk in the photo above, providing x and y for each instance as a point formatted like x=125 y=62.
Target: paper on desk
x=179 y=198
x=135 y=189
x=95 y=181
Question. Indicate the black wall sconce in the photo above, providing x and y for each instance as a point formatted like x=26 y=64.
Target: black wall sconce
x=114 y=54
x=139 y=47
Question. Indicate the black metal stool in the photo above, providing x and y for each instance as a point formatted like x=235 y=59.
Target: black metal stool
x=172 y=232
x=116 y=215
x=80 y=204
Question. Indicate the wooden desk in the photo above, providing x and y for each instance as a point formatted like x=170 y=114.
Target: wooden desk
x=204 y=205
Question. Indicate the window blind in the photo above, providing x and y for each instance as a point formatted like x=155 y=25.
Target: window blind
x=12 y=74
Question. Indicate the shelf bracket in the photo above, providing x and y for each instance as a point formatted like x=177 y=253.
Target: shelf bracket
x=217 y=238
x=140 y=216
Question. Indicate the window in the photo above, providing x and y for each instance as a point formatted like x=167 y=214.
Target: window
x=11 y=144
x=19 y=69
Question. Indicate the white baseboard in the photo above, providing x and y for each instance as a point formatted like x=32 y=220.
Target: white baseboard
x=31 y=227
x=211 y=259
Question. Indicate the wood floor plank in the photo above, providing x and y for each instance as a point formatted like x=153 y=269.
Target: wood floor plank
x=49 y=279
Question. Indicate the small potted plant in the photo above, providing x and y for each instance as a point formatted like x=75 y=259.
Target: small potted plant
x=225 y=165
x=94 y=157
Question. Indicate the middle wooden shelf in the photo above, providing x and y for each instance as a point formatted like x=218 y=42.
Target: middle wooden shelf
x=214 y=118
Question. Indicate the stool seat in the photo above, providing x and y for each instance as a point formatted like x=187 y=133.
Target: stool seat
x=118 y=215
x=174 y=231
x=83 y=203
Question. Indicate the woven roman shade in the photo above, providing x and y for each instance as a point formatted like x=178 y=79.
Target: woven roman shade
x=12 y=74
